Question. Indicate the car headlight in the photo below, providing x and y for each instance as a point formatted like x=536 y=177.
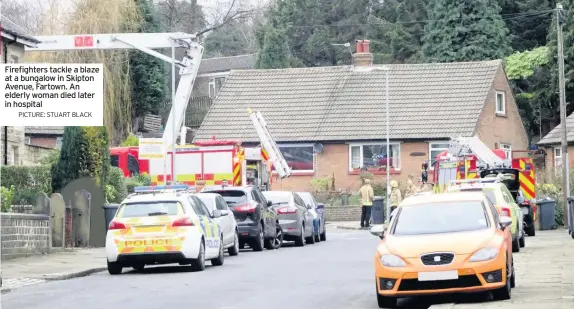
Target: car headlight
x=484 y=254
x=390 y=260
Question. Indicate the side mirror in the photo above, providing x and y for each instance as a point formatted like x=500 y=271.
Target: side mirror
x=378 y=230
x=216 y=214
x=224 y=212
x=320 y=206
x=505 y=221
x=269 y=203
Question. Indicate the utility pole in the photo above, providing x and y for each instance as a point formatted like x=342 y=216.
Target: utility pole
x=560 y=19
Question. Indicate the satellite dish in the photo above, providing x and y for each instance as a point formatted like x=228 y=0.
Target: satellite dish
x=318 y=148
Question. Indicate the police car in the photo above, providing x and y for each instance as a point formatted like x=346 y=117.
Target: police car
x=163 y=225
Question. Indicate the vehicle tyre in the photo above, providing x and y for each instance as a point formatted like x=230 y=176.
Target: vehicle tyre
x=138 y=267
x=513 y=277
x=301 y=240
x=317 y=236
x=530 y=230
x=323 y=235
x=218 y=261
x=234 y=250
x=198 y=264
x=257 y=244
x=277 y=242
x=311 y=240
x=522 y=241
x=114 y=268
x=515 y=245
x=504 y=292
x=242 y=245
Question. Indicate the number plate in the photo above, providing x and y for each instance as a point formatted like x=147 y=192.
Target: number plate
x=438 y=275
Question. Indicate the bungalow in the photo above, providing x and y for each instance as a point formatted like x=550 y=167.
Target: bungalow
x=330 y=121
x=551 y=143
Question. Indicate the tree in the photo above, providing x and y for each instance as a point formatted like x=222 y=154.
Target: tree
x=180 y=16
x=274 y=52
x=408 y=30
x=148 y=79
x=527 y=22
x=465 y=31
x=85 y=153
x=235 y=38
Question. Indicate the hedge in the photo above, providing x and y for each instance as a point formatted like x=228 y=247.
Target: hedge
x=28 y=181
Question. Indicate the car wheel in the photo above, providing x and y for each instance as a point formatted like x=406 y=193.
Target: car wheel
x=234 y=250
x=114 y=268
x=513 y=277
x=301 y=240
x=198 y=264
x=504 y=292
x=317 y=235
x=258 y=242
x=311 y=240
x=221 y=257
x=277 y=241
x=515 y=245
x=522 y=241
x=138 y=267
x=323 y=235
x=241 y=245
x=530 y=229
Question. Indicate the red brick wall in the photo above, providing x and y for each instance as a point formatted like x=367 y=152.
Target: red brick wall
x=44 y=141
x=335 y=160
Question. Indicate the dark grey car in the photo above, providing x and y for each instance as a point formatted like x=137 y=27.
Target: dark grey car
x=294 y=217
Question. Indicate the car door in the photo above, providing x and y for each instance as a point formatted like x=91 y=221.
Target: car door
x=208 y=226
x=514 y=206
x=506 y=232
x=224 y=221
x=306 y=215
x=266 y=212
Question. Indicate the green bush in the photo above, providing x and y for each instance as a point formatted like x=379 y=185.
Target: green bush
x=131 y=140
x=320 y=185
x=117 y=182
x=138 y=180
x=553 y=192
x=7 y=195
x=28 y=181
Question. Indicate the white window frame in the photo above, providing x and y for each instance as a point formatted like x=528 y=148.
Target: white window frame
x=28 y=140
x=507 y=148
x=301 y=145
x=557 y=158
x=360 y=145
x=497 y=111
x=431 y=167
x=59 y=141
x=213 y=84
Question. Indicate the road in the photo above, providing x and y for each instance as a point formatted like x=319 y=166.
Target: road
x=337 y=274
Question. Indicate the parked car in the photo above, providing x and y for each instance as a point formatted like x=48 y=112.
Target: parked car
x=425 y=252
x=318 y=211
x=511 y=178
x=257 y=221
x=502 y=199
x=226 y=222
x=294 y=216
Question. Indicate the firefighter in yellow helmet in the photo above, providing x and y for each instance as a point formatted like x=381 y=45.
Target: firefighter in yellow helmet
x=396 y=196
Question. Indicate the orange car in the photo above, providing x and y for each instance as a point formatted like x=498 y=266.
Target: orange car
x=444 y=243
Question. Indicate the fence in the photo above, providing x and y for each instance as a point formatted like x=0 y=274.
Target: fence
x=195 y=113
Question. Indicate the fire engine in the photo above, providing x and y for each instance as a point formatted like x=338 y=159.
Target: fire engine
x=212 y=162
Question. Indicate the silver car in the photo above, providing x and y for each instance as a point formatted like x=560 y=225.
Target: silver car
x=294 y=217
x=317 y=209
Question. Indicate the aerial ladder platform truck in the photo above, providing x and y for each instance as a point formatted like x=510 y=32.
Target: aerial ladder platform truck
x=209 y=162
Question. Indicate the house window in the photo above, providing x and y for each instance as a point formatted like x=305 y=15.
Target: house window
x=214 y=86
x=28 y=140
x=500 y=103
x=557 y=157
x=507 y=148
x=59 y=142
x=436 y=148
x=299 y=157
x=15 y=155
x=374 y=156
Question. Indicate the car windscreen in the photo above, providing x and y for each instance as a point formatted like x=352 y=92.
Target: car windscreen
x=307 y=198
x=209 y=202
x=441 y=217
x=144 y=209
x=278 y=197
x=232 y=197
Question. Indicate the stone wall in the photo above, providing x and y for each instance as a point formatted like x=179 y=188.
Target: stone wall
x=16 y=145
x=340 y=214
x=25 y=234
x=34 y=153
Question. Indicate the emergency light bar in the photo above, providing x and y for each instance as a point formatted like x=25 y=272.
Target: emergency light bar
x=161 y=188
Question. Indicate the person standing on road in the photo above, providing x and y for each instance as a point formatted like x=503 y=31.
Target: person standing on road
x=411 y=189
x=396 y=196
x=367 y=196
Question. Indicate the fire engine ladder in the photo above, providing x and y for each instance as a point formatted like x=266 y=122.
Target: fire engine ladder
x=467 y=146
x=269 y=144
x=144 y=42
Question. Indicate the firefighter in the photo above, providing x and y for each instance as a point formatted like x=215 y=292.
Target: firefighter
x=396 y=196
x=367 y=196
x=411 y=189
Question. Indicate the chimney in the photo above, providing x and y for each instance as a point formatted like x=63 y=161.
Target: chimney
x=363 y=56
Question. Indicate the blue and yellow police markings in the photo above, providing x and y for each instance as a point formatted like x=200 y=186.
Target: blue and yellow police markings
x=210 y=231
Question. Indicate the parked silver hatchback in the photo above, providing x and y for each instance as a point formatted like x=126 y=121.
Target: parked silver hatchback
x=295 y=218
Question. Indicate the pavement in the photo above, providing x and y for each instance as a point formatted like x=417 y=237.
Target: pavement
x=337 y=273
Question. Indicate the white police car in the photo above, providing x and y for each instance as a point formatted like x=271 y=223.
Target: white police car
x=163 y=225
